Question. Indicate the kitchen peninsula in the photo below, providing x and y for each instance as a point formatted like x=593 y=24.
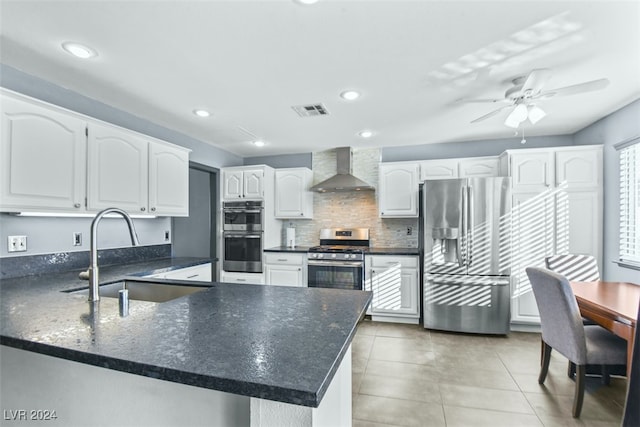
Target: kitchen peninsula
x=228 y=355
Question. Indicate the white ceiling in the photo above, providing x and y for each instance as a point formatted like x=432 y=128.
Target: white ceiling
x=249 y=62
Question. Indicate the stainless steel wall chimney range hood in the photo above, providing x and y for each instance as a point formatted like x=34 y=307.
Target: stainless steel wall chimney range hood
x=343 y=180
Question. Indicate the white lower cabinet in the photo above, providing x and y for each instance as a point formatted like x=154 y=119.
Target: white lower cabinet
x=395 y=285
x=196 y=273
x=285 y=269
x=242 y=278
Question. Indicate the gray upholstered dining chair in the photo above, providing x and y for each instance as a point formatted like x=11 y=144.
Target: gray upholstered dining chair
x=563 y=331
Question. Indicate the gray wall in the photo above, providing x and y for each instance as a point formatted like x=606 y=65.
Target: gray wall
x=619 y=126
x=282 y=161
x=51 y=235
x=487 y=147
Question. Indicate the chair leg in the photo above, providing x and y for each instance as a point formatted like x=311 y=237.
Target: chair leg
x=579 y=393
x=546 y=357
x=606 y=377
x=571 y=369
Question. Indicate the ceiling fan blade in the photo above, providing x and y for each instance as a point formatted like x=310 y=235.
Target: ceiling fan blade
x=483 y=101
x=491 y=114
x=574 y=89
x=535 y=81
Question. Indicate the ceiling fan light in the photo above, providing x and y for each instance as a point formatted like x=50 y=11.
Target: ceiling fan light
x=535 y=114
x=510 y=122
x=519 y=113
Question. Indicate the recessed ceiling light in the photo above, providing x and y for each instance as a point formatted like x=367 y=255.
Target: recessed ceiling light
x=78 y=50
x=258 y=143
x=350 y=95
x=365 y=133
x=306 y=1
x=201 y=113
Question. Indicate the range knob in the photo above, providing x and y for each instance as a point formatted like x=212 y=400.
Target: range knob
x=334 y=256
x=313 y=255
x=320 y=255
x=353 y=256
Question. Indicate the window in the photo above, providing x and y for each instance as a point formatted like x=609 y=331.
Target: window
x=630 y=202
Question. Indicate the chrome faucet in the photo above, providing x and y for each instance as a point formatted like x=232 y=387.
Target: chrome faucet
x=92 y=272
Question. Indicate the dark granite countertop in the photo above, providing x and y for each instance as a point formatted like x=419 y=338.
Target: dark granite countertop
x=272 y=342
x=302 y=249
x=393 y=251
x=370 y=250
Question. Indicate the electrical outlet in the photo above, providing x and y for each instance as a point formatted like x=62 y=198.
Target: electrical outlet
x=77 y=239
x=167 y=235
x=409 y=231
x=16 y=243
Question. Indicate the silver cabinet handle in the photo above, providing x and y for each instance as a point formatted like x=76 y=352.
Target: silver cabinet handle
x=143 y=209
x=153 y=209
x=77 y=205
x=283 y=259
x=241 y=280
x=192 y=276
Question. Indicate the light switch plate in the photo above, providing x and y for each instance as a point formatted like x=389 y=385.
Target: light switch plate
x=16 y=243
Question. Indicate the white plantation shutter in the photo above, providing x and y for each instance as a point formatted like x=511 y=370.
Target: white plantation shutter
x=630 y=202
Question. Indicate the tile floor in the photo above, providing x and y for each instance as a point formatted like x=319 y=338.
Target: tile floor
x=405 y=375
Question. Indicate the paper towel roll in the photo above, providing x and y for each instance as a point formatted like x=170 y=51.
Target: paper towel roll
x=291 y=237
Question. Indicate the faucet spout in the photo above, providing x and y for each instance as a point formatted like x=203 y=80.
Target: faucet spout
x=94 y=290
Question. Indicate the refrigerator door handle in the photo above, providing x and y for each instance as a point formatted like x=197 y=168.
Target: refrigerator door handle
x=470 y=225
x=460 y=249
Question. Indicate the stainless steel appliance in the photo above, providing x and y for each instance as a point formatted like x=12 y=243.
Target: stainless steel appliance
x=243 y=236
x=339 y=260
x=243 y=216
x=467 y=255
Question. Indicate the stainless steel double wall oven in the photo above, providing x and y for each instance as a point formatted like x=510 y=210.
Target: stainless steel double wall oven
x=243 y=233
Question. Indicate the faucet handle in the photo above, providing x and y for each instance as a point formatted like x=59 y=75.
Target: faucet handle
x=84 y=275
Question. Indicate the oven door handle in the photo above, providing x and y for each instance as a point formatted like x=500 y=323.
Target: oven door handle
x=243 y=235
x=334 y=263
x=242 y=211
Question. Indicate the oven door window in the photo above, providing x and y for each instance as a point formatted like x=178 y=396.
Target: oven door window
x=335 y=276
x=242 y=219
x=243 y=253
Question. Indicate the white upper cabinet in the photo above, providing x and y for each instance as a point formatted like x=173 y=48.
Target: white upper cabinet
x=438 y=169
x=579 y=168
x=242 y=184
x=118 y=170
x=478 y=167
x=531 y=171
x=398 y=190
x=136 y=173
x=168 y=180
x=293 y=198
x=43 y=158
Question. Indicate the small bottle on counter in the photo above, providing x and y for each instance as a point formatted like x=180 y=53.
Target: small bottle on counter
x=123 y=302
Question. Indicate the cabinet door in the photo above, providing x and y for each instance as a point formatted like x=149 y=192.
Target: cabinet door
x=439 y=169
x=168 y=180
x=117 y=170
x=470 y=168
x=531 y=171
x=293 y=198
x=43 y=158
x=532 y=228
x=579 y=222
x=233 y=184
x=254 y=184
x=409 y=289
x=579 y=168
x=284 y=275
x=398 y=190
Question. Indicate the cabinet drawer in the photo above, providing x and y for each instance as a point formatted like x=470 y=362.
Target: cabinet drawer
x=382 y=261
x=284 y=258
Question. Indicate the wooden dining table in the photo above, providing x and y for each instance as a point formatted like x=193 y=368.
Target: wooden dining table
x=613 y=305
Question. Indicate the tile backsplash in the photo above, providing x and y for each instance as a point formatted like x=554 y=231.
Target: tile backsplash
x=354 y=208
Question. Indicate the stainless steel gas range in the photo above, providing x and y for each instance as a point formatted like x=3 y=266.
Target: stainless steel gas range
x=338 y=262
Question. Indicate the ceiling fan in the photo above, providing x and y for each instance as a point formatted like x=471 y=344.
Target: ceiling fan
x=525 y=93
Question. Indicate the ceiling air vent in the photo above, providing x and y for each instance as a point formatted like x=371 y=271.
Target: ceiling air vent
x=312 y=110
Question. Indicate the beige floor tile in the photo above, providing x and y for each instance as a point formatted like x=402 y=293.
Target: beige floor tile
x=501 y=379
x=402 y=370
x=419 y=389
x=546 y=405
x=397 y=412
x=553 y=384
x=362 y=423
x=361 y=345
x=402 y=331
x=462 y=364
x=456 y=416
x=485 y=398
x=548 y=421
x=406 y=350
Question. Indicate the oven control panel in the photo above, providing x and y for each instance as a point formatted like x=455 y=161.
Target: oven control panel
x=336 y=256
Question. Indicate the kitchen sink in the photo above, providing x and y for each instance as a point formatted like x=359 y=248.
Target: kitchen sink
x=144 y=291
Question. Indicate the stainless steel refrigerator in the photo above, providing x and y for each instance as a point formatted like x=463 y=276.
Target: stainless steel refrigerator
x=467 y=255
